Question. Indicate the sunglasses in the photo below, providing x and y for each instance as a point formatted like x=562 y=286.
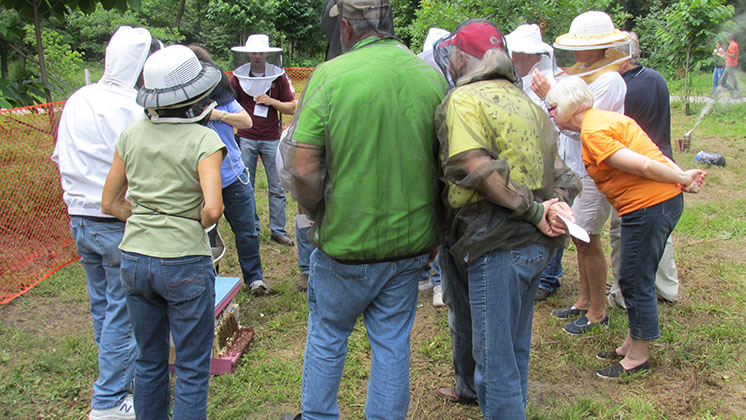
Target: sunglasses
x=551 y=108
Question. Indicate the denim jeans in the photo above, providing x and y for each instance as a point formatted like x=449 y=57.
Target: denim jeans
x=502 y=287
x=386 y=295
x=304 y=249
x=432 y=272
x=267 y=149
x=240 y=212
x=98 y=246
x=644 y=234
x=175 y=295
x=730 y=74
x=666 y=276
x=717 y=73
x=552 y=272
x=456 y=296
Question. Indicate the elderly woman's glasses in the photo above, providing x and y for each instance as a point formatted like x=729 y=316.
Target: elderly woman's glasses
x=551 y=108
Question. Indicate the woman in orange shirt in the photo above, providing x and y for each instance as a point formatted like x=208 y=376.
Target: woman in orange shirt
x=645 y=188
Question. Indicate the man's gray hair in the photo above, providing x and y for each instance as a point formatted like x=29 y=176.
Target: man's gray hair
x=634 y=48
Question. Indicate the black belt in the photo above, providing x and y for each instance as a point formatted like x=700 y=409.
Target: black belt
x=99 y=219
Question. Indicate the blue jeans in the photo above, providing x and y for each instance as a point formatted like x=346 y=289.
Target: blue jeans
x=98 y=246
x=386 y=295
x=175 y=295
x=456 y=295
x=644 y=234
x=304 y=249
x=552 y=272
x=716 y=75
x=435 y=268
x=729 y=74
x=267 y=149
x=240 y=212
x=502 y=287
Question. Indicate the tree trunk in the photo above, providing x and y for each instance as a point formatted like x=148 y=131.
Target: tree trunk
x=4 y=58
x=40 y=51
x=687 y=74
x=180 y=13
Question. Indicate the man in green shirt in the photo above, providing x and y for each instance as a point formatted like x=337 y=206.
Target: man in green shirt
x=361 y=159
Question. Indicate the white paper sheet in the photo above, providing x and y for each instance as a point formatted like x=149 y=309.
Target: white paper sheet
x=575 y=230
x=260 y=111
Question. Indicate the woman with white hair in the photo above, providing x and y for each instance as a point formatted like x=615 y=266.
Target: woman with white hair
x=645 y=188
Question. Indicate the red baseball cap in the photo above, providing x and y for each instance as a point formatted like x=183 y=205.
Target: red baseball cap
x=476 y=38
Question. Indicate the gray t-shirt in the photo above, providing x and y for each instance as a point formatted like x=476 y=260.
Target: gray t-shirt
x=160 y=162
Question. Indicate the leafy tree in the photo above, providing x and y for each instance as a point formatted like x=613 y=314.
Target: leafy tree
x=690 y=26
x=553 y=17
x=36 y=10
x=299 y=21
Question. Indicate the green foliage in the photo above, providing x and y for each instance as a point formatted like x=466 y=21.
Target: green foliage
x=298 y=20
x=554 y=16
x=63 y=62
x=688 y=31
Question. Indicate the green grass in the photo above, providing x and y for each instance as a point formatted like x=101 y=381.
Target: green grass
x=48 y=359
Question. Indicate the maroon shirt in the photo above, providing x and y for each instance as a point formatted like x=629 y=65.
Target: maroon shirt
x=269 y=128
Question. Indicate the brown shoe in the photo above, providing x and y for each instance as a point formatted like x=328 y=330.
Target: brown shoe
x=449 y=394
x=282 y=239
x=302 y=283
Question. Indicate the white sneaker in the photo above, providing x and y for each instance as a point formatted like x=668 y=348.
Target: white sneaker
x=424 y=285
x=259 y=288
x=124 y=411
x=438 y=296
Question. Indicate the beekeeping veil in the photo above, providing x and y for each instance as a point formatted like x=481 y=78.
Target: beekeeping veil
x=526 y=39
x=376 y=12
x=593 y=30
x=256 y=82
x=516 y=165
x=380 y=21
x=177 y=86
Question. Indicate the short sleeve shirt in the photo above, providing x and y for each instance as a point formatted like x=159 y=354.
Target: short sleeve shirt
x=732 y=50
x=604 y=133
x=232 y=166
x=264 y=128
x=371 y=109
x=160 y=161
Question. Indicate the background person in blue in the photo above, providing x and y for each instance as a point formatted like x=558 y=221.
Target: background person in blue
x=238 y=194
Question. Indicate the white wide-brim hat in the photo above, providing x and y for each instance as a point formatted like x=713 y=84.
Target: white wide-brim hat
x=591 y=30
x=256 y=43
x=173 y=75
x=433 y=35
x=526 y=39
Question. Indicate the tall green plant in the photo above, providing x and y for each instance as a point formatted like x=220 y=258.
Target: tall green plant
x=690 y=26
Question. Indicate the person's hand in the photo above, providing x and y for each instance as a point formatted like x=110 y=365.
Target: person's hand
x=694 y=179
x=539 y=84
x=544 y=226
x=557 y=209
x=215 y=114
x=264 y=99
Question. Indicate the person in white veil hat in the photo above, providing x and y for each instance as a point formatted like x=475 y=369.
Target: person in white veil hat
x=264 y=90
x=594 y=42
x=530 y=53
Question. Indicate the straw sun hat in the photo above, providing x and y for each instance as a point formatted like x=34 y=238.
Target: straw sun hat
x=591 y=31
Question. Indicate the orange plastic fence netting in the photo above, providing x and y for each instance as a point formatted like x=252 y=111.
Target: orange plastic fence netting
x=35 y=238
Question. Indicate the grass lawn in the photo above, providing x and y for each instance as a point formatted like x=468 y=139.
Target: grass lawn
x=48 y=359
